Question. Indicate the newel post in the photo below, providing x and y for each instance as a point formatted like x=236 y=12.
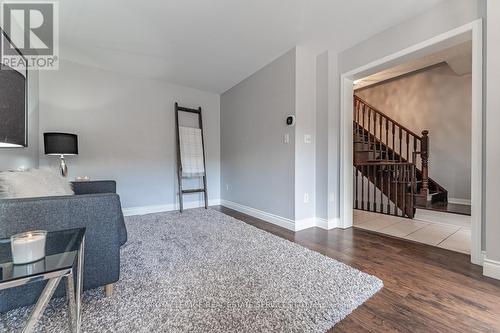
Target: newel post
x=425 y=162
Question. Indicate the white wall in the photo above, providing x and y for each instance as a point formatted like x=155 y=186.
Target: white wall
x=322 y=136
x=493 y=136
x=305 y=153
x=14 y=158
x=437 y=100
x=257 y=166
x=333 y=149
x=442 y=18
x=445 y=17
x=126 y=130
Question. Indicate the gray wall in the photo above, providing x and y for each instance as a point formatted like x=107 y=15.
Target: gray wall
x=492 y=133
x=442 y=18
x=439 y=101
x=257 y=166
x=126 y=132
x=322 y=136
x=14 y=158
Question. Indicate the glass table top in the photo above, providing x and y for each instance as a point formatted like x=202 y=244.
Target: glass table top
x=61 y=251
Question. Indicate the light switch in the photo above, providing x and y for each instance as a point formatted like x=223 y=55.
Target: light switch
x=307 y=138
x=286 y=139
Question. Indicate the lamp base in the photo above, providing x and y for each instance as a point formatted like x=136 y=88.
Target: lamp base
x=64 y=167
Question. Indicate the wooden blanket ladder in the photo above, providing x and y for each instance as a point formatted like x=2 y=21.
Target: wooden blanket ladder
x=183 y=191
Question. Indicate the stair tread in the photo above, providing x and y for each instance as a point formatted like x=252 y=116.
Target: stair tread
x=447 y=208
x=430 y=193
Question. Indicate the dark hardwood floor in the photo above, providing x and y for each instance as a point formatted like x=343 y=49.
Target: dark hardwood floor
x=426 y=289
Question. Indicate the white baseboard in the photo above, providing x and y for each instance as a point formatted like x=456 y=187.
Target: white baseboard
x=491 y=268
x=305 y=223
x=142 y=210
x=459 y=201
x=284 y=222
x=327 y=224
x=268 y=217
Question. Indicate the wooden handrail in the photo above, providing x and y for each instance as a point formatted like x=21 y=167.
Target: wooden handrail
x=386 y=116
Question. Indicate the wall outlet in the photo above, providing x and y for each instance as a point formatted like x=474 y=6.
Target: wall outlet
x=286 y=138
x=307 y=138
x=306 y=197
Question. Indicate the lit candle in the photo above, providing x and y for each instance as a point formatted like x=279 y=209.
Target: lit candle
x=28 y=246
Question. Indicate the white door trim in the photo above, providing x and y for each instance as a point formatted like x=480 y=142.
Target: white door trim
x=346 y=103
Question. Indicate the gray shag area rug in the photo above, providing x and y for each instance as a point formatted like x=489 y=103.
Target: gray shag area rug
x=203 y=271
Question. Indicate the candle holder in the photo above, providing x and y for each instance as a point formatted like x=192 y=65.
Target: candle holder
x=28 y=247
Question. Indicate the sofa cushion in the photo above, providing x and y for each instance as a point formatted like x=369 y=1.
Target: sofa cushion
x=32 y=183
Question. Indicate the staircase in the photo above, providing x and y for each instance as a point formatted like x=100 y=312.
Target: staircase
x=391 y=165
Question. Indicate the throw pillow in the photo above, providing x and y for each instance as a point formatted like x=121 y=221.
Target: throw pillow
x=33 y=183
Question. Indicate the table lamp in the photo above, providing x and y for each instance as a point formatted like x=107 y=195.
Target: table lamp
x=61 y=144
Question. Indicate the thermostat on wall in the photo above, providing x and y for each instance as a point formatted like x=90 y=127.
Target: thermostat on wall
x=290 y=120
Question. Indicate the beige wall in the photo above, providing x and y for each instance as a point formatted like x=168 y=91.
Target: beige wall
x=439 y=101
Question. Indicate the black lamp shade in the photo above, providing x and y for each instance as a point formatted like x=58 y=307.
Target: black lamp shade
x=60 y=143
x=12 y=108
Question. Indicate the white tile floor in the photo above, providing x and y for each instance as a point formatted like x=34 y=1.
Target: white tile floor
x=446 y=236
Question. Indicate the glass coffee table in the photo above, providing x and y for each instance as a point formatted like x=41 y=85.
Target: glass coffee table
x=64 y=252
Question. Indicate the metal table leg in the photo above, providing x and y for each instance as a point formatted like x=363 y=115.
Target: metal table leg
x=41 y=304
x=74 y=295
x=70 y=291
x=79 y=286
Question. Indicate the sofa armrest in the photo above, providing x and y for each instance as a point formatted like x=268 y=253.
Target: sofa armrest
x=94 y=187
x=101 y=186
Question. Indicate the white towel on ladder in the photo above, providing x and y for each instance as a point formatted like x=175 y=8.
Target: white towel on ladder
x=191 y=152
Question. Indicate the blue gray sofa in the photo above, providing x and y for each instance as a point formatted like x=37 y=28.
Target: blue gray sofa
x=95 y=206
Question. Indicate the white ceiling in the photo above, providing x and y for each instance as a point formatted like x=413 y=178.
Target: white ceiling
x=214 y=44
x=458 y=57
